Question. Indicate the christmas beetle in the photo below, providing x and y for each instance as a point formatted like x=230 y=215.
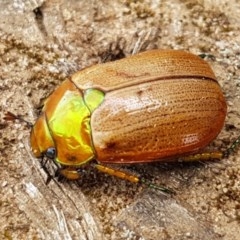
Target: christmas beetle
x=157 y=105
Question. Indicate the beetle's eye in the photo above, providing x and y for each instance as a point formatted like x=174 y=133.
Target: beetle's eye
x=50 y=153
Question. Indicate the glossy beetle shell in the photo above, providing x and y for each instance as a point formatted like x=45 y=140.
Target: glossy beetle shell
x=156 y=105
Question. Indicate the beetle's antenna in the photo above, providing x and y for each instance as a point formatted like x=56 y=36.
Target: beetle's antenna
x=232 y=147
x=11 y=117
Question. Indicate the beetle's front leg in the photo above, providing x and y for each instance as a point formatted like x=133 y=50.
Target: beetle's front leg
x=69 y=173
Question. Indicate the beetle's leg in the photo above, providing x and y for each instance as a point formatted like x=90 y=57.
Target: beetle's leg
x=232 y=148
x=207 y=55
x=212 y=155
x=54 y=171
x=43 y=163
x=202 y=156
x=68 y=173
x=131 y=178
x=154 y=186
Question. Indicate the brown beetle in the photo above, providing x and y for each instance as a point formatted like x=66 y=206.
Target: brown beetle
x=154 y=106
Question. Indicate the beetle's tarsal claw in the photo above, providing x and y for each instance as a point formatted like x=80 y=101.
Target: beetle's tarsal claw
x=49 y=179
x=232 y=148
x=157 y=187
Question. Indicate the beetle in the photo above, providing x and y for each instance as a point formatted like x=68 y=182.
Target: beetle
x=157 y=105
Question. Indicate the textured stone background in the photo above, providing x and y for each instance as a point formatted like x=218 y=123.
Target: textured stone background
x=42 y=42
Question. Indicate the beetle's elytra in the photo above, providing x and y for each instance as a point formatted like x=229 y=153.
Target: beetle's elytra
x=153 y=106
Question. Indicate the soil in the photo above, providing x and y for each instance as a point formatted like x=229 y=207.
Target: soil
x=43 y=42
